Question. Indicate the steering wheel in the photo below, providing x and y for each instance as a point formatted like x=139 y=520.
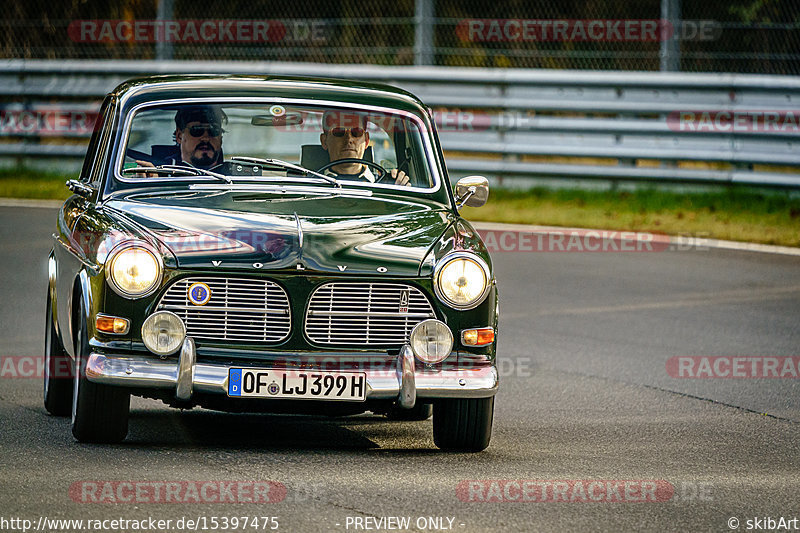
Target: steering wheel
x=382 y=172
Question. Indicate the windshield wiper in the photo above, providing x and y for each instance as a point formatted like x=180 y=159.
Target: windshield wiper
x=285 y=165
x=176 y=170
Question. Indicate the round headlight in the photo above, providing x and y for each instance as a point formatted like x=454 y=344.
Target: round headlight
x=462 y=280
x=163 y=333
x=431 y=341
x=133 y=271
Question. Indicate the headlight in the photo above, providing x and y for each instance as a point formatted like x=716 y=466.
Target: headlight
x=133 y=271
x=431 y=341
x=461 y=280
x=163 y=333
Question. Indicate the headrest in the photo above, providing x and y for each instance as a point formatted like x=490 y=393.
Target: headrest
x=165 y=151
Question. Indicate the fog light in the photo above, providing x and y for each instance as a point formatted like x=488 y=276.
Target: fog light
x=477 y=337
x=163 y=333
x=431 y=341
x=112 y=324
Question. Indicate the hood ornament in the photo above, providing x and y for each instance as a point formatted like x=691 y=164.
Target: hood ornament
x=299 y=231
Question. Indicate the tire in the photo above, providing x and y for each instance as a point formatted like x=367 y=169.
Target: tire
x=463 y=424
x=99 y=412
x=57 y=369
x=420 y=411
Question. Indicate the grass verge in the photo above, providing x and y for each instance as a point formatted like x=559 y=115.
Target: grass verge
x=26 y=183
x=737 y=214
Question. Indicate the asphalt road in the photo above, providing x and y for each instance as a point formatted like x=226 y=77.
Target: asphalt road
x=585 y=396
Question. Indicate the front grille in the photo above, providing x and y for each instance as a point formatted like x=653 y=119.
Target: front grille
x=365 y=314
x=246 y=310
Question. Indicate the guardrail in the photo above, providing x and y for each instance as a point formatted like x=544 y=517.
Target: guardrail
x=642 y=126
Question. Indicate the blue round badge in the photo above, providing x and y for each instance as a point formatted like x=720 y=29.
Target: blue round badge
x=199 y=293
x=273 y=388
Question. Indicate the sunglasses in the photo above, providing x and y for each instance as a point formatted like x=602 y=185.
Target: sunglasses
x=355 y=132
x=199 y=131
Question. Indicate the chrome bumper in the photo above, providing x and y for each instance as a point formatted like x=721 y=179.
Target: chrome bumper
x=405 y=383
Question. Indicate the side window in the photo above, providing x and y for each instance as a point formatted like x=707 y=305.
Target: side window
x=97 y=149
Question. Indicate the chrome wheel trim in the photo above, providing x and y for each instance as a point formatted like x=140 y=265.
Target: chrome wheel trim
x=76 y=374
x=48 y=347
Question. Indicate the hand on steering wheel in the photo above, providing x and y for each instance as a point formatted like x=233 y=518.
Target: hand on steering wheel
x=399 y=176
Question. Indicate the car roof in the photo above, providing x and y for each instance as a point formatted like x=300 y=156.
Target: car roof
x=181 y=87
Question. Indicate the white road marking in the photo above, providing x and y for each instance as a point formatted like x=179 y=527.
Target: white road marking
x=716 y=298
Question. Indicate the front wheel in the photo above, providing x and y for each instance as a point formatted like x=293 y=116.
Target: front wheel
x=99 y=412
x=57 y=369
x=463 y=424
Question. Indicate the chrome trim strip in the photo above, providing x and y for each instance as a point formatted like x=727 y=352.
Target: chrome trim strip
x=128 y=371
x=279 y=186
x=82 y=260
x=284 y=312
x=312 y=312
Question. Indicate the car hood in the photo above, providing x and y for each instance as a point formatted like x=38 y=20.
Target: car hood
x=322 y=232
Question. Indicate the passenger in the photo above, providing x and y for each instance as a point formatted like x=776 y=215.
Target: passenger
x=198 y=134
x=198 y=131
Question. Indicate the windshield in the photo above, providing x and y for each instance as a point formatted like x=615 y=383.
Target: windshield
x=268 y=142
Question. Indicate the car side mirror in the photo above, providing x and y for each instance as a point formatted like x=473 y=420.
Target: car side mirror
x=472 y=191
x=80 y=188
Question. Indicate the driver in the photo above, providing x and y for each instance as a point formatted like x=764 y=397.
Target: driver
x=345 y=136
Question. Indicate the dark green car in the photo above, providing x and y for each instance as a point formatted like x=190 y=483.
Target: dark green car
x=248 y=243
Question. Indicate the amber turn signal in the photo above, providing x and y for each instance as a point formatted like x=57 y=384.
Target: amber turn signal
x=112 y=324
x=477 y=337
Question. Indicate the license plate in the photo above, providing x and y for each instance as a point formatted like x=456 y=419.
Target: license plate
x=264 y=383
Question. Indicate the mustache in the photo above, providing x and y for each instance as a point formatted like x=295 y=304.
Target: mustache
x=204 y=146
